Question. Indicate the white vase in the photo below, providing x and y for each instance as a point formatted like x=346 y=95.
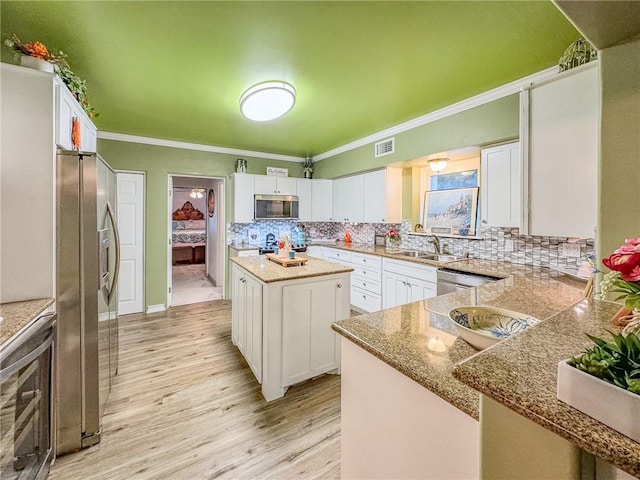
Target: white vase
x=37 y=63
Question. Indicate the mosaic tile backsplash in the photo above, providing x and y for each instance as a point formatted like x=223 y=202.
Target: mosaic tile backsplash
x=492 y=245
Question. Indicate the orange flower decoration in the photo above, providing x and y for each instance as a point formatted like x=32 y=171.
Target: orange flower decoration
x=38 y=50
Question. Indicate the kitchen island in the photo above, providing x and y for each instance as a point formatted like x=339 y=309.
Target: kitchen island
x=282 y=317
x=398 y=382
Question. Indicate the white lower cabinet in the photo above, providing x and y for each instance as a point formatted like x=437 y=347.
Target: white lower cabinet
x=406 y=282
x=366 y=281
x=246 y=318
x=310 y=310
x=315 y=251
x=283 y=329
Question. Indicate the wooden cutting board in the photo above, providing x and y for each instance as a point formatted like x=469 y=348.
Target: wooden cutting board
x=286 y=261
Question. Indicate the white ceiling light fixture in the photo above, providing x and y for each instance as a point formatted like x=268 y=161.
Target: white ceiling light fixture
x=267 y=101
x=197 y=193
x=438 y=164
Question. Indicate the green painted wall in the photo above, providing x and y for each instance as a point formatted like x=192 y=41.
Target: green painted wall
x=158 y=163
x=619 y=175
x=489 y=123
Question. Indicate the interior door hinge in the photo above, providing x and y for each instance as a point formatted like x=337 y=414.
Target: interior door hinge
x=169 y=289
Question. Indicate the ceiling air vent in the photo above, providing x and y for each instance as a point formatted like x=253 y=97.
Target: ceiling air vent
x=385 y=147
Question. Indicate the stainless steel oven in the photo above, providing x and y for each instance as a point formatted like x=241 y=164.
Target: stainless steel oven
x=26 y=413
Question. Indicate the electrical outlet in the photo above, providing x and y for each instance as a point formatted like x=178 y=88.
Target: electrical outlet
x=570 y=250
x=508 y=246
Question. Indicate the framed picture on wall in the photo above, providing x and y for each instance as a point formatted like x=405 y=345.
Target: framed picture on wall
x=455 y=209
x=445 y=181
x=211 y=202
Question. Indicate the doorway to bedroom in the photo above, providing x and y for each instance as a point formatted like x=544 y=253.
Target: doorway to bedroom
x=196 y=243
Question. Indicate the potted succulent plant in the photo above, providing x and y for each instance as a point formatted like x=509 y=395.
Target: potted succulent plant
x=604 y=382
x=37 y=55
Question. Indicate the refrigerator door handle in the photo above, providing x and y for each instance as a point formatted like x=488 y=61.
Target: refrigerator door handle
x=116 y=273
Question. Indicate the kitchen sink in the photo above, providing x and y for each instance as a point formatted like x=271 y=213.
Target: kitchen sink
x=438 y=257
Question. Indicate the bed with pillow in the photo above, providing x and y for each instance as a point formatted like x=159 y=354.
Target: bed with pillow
x=189 y=235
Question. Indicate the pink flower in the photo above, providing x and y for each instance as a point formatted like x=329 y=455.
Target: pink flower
x=633 y=275
x=633 y=241
x=623 y=262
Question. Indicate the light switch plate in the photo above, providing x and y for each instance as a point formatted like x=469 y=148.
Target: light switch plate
x=508 y=245
x=570 y=250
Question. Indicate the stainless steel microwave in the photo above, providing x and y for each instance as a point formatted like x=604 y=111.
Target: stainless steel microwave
x=275 y=206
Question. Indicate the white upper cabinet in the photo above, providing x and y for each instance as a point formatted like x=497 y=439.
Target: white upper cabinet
x=348 y=199
x=304 y=188
x=501 y=186
x=383 y=196
x=373 y=197
x=243 y=186
x=321 y=200
x=68 y=108
x=271 y=185
x=563 y=155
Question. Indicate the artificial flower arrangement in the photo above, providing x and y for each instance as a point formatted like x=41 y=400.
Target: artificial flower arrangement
x=393 y=235
x=77 y=86
x=624 y=279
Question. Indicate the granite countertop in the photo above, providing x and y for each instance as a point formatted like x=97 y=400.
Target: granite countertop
x=245 y=246
x=526 y=383
x=18 y=315
x=267 y=271
x=399 y=336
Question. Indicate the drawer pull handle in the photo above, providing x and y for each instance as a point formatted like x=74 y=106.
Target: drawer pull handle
x=339 y=285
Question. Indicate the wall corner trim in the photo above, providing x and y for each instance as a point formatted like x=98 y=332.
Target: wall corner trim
x=156 y=308
x=467 y=104
x=161 y=142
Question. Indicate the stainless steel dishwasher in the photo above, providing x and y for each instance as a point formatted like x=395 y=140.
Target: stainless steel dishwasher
x=452 y=280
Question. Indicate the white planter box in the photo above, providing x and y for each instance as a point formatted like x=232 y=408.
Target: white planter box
x=615 y=407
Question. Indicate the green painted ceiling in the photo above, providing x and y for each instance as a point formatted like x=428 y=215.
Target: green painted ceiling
x=176 y=70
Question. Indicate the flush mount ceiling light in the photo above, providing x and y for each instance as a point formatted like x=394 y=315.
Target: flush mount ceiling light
x=267 y=100
x=438 y=164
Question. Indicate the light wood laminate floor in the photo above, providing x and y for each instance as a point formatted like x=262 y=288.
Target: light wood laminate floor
x=185 y=405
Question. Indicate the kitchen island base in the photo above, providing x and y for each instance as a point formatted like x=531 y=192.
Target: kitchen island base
x=283 y=327
x=392 y=427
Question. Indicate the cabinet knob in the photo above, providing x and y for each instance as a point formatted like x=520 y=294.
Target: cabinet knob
x=484 y=221
x=339 y=285
x=364 y=284
x=383 y=220
x=364 y=296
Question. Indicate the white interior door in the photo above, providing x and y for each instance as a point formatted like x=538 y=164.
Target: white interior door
x=131 y=198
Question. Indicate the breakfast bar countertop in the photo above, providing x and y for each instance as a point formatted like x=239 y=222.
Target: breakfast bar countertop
x=17 y=315
x=401 y=336
x=267 y=271
x=522 y=374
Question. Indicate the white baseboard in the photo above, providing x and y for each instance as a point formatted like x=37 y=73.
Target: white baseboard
x=156 y=308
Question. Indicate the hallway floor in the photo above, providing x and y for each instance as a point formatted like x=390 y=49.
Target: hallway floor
x=186 y=406
x=191 y=285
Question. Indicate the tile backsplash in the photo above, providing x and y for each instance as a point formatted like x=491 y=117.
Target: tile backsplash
x=493 y=244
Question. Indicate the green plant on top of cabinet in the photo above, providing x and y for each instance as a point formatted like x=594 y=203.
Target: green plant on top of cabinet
x=501 y=186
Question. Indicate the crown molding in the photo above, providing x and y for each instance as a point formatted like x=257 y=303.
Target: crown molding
x=160 y=142
x=472 y=102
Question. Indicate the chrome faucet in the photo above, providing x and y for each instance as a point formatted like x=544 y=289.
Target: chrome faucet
x=436 y=243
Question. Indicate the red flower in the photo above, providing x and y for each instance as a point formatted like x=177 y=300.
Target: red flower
x=627 y=263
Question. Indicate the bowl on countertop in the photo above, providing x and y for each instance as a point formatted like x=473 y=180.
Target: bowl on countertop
x=486 y=326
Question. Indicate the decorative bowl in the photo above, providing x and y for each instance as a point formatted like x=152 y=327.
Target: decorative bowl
x=486 y=326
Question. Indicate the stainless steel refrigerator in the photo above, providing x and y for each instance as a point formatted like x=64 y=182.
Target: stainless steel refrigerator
x=88 y=255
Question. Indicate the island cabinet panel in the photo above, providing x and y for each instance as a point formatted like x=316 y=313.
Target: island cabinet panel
x=308 y=312
x=246 y=318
